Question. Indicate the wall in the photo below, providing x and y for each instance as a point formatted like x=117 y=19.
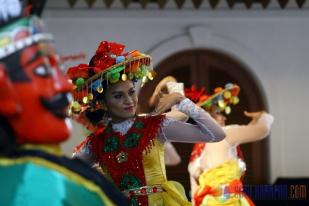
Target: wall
x=273 y=44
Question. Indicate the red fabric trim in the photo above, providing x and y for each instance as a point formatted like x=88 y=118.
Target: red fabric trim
x=88 y=139
x=134 y=164
x=196 y=151
x=234 y=187
x=82 y=144
x=240 y=154
x=199 y=195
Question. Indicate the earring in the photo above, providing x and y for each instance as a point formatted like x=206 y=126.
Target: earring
x=105 y=118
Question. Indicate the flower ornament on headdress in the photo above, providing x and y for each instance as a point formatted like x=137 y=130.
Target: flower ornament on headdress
x=196 y=95
x=221 y=99
x=109 y=65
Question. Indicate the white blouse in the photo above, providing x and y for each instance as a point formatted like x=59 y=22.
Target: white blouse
x=205 y=130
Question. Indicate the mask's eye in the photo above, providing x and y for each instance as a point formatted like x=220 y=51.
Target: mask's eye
x=42 y=71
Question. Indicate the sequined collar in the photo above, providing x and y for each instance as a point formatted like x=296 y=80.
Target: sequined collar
x=123 y=127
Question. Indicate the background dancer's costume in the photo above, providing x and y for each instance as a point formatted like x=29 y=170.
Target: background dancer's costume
x=33 y=102
x=131 y=152
x=219 y=182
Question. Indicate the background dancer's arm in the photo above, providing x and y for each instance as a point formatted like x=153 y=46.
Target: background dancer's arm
x=256 y=130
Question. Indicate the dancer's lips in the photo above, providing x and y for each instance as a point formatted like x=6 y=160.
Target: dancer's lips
x=129 y=109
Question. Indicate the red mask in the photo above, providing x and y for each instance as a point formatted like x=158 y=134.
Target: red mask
x=35 y=104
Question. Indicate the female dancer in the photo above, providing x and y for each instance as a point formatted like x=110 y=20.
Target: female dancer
x=216 y=169
x=130 y=148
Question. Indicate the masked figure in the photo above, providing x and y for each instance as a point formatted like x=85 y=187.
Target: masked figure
x=33 y=104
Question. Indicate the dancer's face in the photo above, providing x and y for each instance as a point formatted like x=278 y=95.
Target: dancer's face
x=216 y=114
x=121 y=100
x=220 y=119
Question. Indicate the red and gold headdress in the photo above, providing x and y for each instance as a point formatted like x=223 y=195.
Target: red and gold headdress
x=109 y=65
x=222 y=97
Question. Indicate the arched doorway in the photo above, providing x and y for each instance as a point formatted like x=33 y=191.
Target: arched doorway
x=211 y=69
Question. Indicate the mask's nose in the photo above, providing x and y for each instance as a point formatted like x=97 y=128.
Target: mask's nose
x=62 y=83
